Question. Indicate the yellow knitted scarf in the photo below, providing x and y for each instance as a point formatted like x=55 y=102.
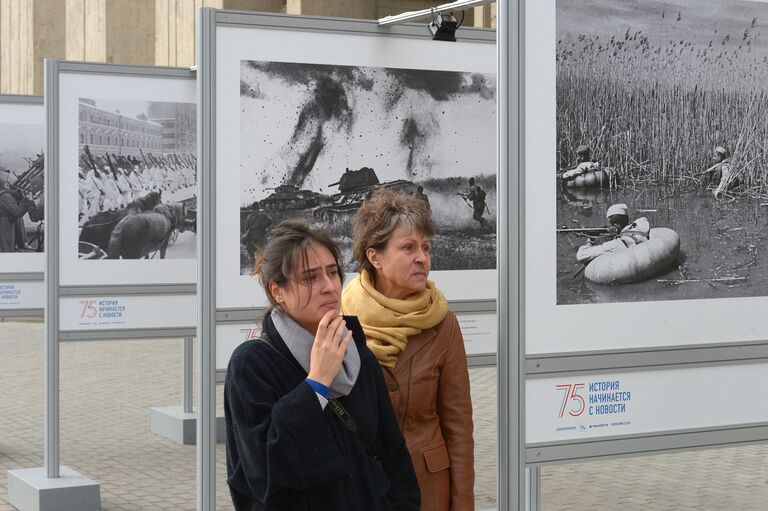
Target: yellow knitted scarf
x=388 y=322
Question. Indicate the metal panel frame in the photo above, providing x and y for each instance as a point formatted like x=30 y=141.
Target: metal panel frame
x=53 y=334
x=159 y=290
x=206 y=260
x=645 y=359
x=513 y=486
x=21 y=99
x=14 y=99
x=52 y=464
x=22 y=277
x=21 y=313
x=208 y=22
x=512 y=16
x=643 y=444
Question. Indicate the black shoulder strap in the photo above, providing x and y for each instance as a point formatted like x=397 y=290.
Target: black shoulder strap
x=337 y=408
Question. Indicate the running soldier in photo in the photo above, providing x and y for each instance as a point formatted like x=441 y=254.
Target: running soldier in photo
x=476 y=200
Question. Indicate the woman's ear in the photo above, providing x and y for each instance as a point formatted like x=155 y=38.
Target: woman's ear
x=373 y=258
x=276 y=292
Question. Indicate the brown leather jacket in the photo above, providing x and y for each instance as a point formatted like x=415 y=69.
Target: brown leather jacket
x=429 y=388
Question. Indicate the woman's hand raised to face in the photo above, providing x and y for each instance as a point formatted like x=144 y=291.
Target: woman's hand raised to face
x=328 y=348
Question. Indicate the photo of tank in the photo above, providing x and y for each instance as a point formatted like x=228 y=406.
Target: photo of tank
x=355 y=187
x=335 y=211
x=339 y=134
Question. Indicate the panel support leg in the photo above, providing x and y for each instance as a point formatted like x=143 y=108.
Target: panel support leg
x=533 y=499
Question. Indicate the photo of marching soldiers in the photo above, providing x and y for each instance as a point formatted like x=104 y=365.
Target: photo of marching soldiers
x=336 y=135
x=137 y=180
x=662 y=150
x=21 y=187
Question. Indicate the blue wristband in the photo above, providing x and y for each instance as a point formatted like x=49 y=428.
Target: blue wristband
x=318 y=387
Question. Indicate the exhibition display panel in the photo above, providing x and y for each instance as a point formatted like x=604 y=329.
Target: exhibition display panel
x=121 y=194
x=635 y=348
x=22 y=292
x=125 y=198
x=601 y=352
x=306 y=118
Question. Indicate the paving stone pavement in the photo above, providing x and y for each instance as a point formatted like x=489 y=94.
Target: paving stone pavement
x=108 y=387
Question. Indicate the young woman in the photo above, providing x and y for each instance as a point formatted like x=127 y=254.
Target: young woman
x=418 y=344
x=309 y=422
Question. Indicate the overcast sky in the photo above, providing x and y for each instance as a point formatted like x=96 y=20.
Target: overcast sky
x=700 y=21
x=21 y=138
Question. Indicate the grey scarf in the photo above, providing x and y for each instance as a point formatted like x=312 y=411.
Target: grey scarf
x=299 y=342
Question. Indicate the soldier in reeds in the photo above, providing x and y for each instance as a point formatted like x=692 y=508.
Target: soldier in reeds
x=721 y=172
x=621 y=234
x=584 y=164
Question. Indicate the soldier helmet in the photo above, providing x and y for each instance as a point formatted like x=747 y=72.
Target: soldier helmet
x=722 y=151
x=616 y=209
x=583 y=150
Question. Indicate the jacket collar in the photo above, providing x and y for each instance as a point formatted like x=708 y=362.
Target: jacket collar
x=415 y=345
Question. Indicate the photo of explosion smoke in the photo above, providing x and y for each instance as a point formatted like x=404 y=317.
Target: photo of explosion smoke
x=318 y=140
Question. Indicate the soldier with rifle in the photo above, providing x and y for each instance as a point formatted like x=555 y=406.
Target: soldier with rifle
x=423 y=196
x=13 y=206
x=720 y=172
x=620 y=235
x=584 y=164
x=476 y=200
x=31 y=181
x=113 y=199
x=123 y=186
x=93 y=189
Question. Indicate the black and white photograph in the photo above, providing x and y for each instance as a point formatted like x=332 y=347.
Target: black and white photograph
x=137 y=180
x=318 y=140
x=662 y=150
x=21 y=187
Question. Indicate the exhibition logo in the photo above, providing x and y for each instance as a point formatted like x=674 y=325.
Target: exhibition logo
x=602 y=404
x=9 y=294
x=101 y=312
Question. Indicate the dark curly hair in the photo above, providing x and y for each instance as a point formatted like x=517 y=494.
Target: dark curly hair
x=286 y=250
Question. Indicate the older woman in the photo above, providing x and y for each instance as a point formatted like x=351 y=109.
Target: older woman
x=309 y=422
x=418 y=344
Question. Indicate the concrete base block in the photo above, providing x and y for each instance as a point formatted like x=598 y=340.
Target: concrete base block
x=30 y=490
x=177 y=426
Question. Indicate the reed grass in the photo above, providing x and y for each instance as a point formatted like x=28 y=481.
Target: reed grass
x=655 y=112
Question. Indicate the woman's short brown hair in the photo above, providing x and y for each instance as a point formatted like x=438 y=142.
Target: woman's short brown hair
x=286 y=248
x=380 y=216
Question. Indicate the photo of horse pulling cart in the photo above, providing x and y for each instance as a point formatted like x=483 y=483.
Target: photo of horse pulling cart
x=137 y=180
x=143 y=229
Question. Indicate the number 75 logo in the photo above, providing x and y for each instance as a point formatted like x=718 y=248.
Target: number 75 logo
x=571 y=395
x=89 y=310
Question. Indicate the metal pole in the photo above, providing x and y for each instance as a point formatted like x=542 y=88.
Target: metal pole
x=206 y=261
x=459 y=5
x=511 y=310
x=186 y=376
x=534 y=488
x=51 y=270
